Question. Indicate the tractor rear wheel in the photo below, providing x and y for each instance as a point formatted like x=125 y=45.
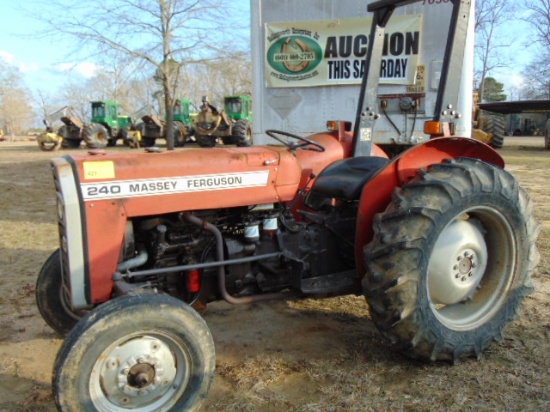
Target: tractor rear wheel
x=242 y=133
x=143 y=352
x=495 y=126
x=206 y=141
x=451 y=259
x=179 y=134
x=50 y=297
x=95 y=135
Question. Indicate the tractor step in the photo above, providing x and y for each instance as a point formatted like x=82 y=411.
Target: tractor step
x=337 y=283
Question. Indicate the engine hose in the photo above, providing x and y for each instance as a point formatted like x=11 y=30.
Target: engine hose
x=221 y=270
x=134 y=262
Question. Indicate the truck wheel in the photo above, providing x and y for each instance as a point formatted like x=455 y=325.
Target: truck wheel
x=242 y=133
x=95 y=135
x=495 y=126
x=205 y=141
x=50 y=298
x=143 y=352
x=450 y=260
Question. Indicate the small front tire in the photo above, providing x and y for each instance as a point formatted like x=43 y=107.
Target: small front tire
x=137 y=353
x=50 y=298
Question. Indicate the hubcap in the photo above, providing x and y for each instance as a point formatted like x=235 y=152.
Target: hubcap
x=141 y=373
x=471 y=268
x=458 y=263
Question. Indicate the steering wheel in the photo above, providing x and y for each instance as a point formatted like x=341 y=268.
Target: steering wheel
x=306 y=144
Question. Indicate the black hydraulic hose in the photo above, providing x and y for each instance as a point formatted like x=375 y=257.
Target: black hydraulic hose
x=414 y=118
x=391 y=121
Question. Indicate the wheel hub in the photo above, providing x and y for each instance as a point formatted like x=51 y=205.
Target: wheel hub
x=458 y=263
x=141 y=375
x=135 y=373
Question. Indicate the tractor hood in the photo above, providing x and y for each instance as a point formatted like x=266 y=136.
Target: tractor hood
x=163 y=182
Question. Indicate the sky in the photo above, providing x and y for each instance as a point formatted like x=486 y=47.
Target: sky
x=42 y=62
x=45 y=66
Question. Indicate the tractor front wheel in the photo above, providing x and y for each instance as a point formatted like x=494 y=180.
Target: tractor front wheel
x=143 y=352
x=451 y=259
x=51 y=299
x=95 y=135
x=242 y=133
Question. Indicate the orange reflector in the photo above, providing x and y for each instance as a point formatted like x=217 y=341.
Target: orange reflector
x=338 y=125
x=432 y=128
x=332 y=125
x=192 y=281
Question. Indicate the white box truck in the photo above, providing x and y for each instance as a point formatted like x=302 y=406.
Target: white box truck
x=308 y=61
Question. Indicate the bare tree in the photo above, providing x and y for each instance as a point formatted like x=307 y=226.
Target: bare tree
x=15 y=111
x=229 y=75
x=78 y=97
x=164 y=33
x=539 y=19
x=537 y=73
x=45 y=103
x=537 y=78
x=491 y=15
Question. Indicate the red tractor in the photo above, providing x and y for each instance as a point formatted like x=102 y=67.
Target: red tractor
x=439 y=239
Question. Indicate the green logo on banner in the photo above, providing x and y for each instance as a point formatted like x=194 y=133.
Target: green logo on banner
x=294 y=55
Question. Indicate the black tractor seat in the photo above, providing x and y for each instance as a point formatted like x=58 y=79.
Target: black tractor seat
x=345 y=178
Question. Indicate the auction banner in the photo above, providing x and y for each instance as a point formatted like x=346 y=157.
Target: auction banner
x=332 y=52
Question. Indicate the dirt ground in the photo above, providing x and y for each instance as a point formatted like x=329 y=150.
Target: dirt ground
x=310 y=355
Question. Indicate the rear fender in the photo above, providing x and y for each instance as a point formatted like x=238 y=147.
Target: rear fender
x=376 y=194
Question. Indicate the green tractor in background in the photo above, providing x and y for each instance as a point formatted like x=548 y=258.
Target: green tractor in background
x=233 y=125
x=154 y=128
x=107 y=126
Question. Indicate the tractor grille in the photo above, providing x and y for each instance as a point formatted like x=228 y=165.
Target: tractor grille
x=71 y=239
x=62 y=229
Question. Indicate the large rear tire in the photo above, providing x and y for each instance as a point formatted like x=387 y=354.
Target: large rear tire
x=50 y=297
x=451 y=259
x=179 y=134
x=242 y=133
x=145 y=352
x=495 y=125
x=95 y=135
